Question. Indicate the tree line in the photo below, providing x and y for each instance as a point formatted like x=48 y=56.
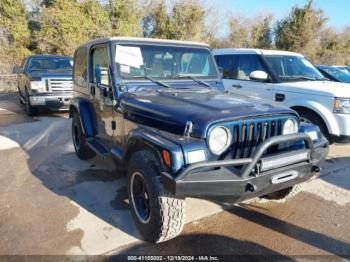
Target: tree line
x=59 y=26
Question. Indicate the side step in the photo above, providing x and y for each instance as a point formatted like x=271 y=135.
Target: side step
x=96 y=146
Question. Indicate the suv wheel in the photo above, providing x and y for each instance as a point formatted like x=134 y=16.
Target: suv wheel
x=312 y=118
x=286 y=193
x=158 y=215
x=79 y=141
x=31 y=111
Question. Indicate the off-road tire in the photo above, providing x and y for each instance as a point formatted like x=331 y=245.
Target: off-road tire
x=167 y=212
x=30 y=110
x=286 y=193
x=313 y=118
x=83 y=151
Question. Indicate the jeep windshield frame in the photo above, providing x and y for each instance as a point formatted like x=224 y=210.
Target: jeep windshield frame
x=164 y=62
x=292 y=68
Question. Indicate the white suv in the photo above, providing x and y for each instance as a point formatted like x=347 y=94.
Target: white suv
x=288 y=78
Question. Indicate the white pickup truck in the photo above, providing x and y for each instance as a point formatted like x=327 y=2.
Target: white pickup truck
x=288 y=78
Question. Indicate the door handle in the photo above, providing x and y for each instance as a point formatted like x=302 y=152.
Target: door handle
x=280 y=97
x=237 y=86
x=92 y=90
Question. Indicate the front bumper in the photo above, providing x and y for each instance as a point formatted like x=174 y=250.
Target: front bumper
x=53 y=101
x=242 y=179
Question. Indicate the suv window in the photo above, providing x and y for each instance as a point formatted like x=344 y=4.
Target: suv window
x=80 y=67
x=248 y=64
x=227 y=62
x=100 y=72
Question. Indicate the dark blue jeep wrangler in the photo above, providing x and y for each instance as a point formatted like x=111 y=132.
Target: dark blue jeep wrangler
x=158 y=108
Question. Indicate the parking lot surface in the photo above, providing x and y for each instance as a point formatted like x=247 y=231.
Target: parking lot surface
x=53 y=203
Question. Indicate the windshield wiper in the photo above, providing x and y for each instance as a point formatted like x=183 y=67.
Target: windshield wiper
x=157 y=81
x=194 y=79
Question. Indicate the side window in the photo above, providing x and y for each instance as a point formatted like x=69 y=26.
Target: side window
x=228 y=63
x=100 y=72
x=248 y=64
x=80 y=67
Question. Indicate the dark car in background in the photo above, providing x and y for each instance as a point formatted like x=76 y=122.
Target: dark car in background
x=45 y=81
x=334 y=73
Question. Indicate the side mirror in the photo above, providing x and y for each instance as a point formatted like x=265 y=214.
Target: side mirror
x=221 y=71
x=17 y=70
x=258 y=76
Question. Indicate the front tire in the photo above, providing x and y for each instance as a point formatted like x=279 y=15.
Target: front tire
x=307 y=116
x=158 y=215
x=31 y=111
x=79 y=140
x=286 y=193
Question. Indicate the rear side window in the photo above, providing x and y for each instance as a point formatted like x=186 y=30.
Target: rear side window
x=248 y=64
x=80 y=67
x=227 y=63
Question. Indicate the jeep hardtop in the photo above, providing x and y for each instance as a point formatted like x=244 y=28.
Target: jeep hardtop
x=158 y=108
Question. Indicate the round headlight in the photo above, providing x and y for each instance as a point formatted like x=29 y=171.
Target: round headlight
x=290 y=127
x=219 y=140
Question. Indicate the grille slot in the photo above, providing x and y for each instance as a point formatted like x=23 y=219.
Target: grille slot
x=60 y=85
x=247 y=135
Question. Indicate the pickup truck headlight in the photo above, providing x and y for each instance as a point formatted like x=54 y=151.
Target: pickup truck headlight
x=341 y=105
x=219 y=140
x=39 y=86
x=290 y=127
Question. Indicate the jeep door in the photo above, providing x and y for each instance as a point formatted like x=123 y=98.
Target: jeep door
x=100 y=92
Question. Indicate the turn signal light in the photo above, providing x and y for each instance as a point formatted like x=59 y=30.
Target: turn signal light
x=166 y=158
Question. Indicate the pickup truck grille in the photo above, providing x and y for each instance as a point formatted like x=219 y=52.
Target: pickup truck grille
x=59 y=85
x=247 y=135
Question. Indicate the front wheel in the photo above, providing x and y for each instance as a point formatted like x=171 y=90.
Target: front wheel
x=158 y=215
x=286 y=193
x=31 y=111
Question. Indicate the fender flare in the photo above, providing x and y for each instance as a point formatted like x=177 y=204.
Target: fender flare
x=323 y=112
x=148 y=139
x=87 y=115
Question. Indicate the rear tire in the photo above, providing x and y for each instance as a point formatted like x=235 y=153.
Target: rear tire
x=286 y=193
x=79 y=140
x=158 y=215
x=310 y=117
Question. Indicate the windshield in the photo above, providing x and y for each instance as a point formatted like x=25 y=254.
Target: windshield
x=338 y=74
x=164 y=62
x=292 y=68
x=50 y=64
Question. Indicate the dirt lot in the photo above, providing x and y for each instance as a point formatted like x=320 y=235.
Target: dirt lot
x=53 y=203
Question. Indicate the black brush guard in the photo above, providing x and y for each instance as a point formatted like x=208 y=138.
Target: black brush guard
x=224 y=181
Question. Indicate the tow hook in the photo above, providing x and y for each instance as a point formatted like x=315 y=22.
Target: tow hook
x=250 y=188
x=316 y=169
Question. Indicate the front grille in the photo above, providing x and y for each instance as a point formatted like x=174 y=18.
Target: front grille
x=248 y=134
x=59 y=85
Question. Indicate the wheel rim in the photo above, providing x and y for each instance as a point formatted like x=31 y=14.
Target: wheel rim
x=76 y=138
x=140 y=197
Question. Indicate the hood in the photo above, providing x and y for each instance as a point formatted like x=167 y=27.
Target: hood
x=170 y=109
x=320 y=88
x=38 y=75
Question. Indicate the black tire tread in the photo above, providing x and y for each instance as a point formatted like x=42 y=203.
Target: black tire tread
x=171 y=209
x=85 y=151
x=286 y=194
